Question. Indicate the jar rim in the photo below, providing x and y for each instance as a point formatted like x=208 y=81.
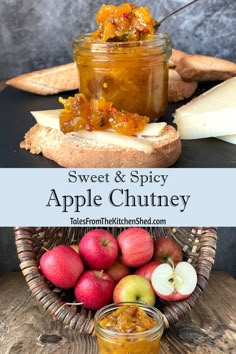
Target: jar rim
x=149 y=310
x=160 y=38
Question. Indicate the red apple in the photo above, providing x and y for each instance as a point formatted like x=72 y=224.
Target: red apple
x=98 y=249
x=147 y=269
x=166 y=249
x=94 y=289
x=136 y=246
x=62 y=266
x=134 y=288
x=173 y=284
x=118 y=271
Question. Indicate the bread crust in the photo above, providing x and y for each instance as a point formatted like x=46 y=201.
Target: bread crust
x=205 y=68
x=54 y=145
x=48 y=81
x=176 y=55
x=179 y=89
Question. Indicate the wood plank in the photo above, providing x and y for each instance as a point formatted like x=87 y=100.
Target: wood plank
x=211 y=325
x=25 y=328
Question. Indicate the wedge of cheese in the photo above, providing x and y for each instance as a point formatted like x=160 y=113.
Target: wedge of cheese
x=142 y=142
x=212 y=114
x=229 y=138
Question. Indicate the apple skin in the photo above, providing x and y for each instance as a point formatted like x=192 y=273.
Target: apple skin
x=118 y=271
x=134 y=288
x=94 y=289
x=98 y=249
x=174 y=283
x=166 y=249
x=62 y=266
x=147 y=269
x=136 y=247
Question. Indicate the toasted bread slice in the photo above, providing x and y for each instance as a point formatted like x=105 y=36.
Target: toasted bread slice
x=48 y=81
x=176 y=55
x=72 y=151
x=179 y=89
x=205 y=68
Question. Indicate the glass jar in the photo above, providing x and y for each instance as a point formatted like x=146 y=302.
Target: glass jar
x=147 y=342
x=131 y=75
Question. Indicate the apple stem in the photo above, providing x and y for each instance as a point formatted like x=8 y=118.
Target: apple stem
x=45 y=249
x=170 y=261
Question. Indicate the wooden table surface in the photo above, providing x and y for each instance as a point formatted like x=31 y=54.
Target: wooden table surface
x=25 y=328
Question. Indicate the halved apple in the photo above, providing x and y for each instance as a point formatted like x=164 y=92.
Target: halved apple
x=174 y=283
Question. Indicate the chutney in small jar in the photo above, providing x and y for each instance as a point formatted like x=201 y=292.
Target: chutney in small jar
x=133 y=328
x=132 y=75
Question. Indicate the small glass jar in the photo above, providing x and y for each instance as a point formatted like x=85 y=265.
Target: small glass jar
x=131 y=75
x=147 y=342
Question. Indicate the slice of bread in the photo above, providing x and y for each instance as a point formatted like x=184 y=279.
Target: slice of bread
x=72 y=151
x=176 y=55
x=48 y=81
x=179 y=89
x=204 y=68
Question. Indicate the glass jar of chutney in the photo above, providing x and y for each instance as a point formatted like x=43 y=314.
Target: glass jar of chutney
x=128 y=327
x=132 y=75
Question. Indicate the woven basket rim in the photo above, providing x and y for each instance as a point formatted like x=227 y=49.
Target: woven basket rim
x=199 y=243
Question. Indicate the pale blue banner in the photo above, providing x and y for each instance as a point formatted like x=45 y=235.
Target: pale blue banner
x=118 y=197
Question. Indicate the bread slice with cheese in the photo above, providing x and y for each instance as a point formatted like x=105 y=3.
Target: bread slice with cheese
x=158 y=145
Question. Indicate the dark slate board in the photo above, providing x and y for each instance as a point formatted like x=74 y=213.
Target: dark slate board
x=16 y=120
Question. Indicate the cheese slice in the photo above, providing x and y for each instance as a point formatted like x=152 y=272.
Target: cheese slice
x=212 y=114
x=142 y=142
x=229 y=138
x=101 y=138
x=152 y=129
x=48 y=118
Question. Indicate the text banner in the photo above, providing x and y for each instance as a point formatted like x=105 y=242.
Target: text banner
x=118 y=197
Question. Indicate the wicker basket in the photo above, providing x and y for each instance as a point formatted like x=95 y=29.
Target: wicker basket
x=198 y=245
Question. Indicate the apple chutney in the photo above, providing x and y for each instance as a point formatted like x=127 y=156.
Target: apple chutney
x=128 y=70
x=123 y=328
x=78 y=113
x=125 y=22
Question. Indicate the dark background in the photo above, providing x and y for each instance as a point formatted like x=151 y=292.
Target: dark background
x=225 y=255
x=38 y=34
